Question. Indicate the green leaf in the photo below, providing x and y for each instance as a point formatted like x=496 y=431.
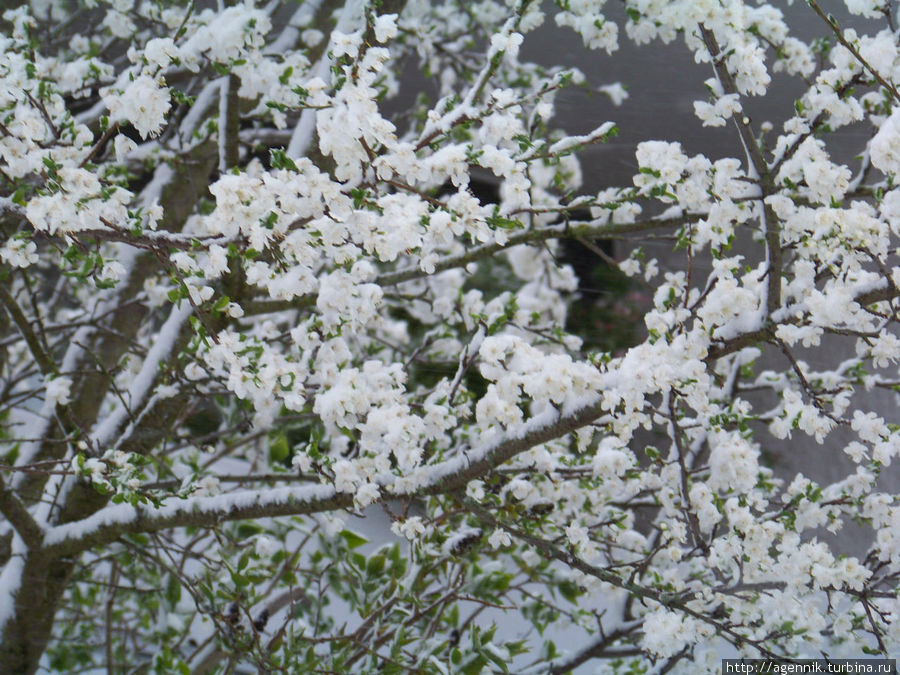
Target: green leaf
x=503 y=223
x=492 y=655
x=19 y=197
x=247 y=529
x=550 y=650
x=243 y=560
x=173 y=590
x=279 y=449
x=353 y=540
x=475 y=666
x=279 y=160
x=570 y=591
x=221 y=303
x=375 y=565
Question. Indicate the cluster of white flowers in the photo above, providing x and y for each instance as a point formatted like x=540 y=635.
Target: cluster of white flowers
x=733 y=462
x=667 y=632
x=19 y=252
x=352 y=126
x=142 y=101
x=516 y=369
x=825 y=182
x=113 y=472
x=224 y=37
x=79 y=201
x=716 y=114
x=597 y=31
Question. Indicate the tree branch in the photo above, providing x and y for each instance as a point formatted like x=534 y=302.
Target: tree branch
x=44 y=362
x=760 y=166
x=599 y=649
x=794 y=314
x=449 y=476
x=112 y=522
x=728 y=85
x=573 y=230
x=673 y=601
x=853 y=50
x=19 y=517
x=7 y=205
x=229 y=122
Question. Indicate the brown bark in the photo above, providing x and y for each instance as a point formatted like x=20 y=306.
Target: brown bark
x=27 y=633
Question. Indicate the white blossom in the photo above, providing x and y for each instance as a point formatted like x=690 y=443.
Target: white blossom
x=385 y=27
x=58 y=390
x=144 y=102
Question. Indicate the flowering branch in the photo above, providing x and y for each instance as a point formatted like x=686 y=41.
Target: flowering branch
x=674 y=601
x=741 y=122
x=571 y=230
x=763 y=174
x=113 y=522
x=836 y=29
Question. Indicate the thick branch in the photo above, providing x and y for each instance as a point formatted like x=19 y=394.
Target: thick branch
x=455 y=474
x=450 y=476
x=44 y=362
x=760 y=166
x=776 y=259
x=19 y=517
x=229 y=122
x=729 y=86
x=601 y=649
x=112 y=522
x=151 y=240
x=792 y=314
x=574 y=230
x=7 y=205
x=735 y=345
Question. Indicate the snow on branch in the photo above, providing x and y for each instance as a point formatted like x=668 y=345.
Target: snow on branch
x=116 y=521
